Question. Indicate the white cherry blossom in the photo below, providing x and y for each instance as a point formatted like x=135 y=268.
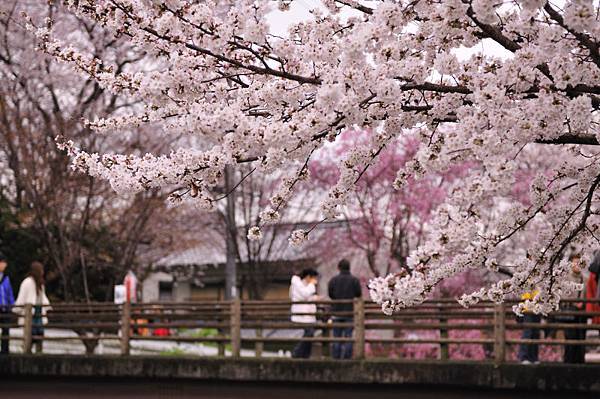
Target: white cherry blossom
x=245 y=96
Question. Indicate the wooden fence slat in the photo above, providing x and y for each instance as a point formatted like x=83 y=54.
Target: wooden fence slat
x=125 y=328
x=499 y=334
x=359 y=329
x=259 y=345
x=27 y=328
x=236 y=326
x=444 y=355
x=451 y=341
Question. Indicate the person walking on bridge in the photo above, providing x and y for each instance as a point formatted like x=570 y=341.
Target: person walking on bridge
x=343 y=286
x=303 y=288
x=592 y=290
x=574 y=353
x=33 y=292
x=529 y=353
x=7 y=300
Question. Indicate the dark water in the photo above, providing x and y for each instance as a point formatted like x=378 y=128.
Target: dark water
x=111 y=389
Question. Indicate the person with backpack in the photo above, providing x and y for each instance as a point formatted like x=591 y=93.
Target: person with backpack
x=7 y=300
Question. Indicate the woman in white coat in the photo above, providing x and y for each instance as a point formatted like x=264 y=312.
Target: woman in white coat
x=32 y=291
x=303 y=287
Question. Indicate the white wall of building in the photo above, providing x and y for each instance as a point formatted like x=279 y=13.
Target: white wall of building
x=181 y=291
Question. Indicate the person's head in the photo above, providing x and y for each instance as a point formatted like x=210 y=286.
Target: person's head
x=344 y=265
x=575 y=259
x=37 y=273
x=309 y=274
x=3 y=262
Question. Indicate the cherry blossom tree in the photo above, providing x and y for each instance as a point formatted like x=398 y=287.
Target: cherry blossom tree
x=529 y=79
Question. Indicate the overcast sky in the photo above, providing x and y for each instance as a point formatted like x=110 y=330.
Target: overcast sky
x=300 y=11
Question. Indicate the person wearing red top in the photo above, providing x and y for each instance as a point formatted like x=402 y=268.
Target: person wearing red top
x=591 y=287
x=161 y=332
x=591 y=292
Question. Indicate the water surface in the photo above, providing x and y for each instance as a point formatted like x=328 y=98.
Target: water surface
x=36 y=388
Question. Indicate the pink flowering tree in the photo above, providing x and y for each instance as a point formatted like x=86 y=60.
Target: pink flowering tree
x=382 y=224
x=478 y=80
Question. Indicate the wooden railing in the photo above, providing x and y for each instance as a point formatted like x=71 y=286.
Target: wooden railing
x=263 y=327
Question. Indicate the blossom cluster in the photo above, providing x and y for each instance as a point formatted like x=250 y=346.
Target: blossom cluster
x=248 y=96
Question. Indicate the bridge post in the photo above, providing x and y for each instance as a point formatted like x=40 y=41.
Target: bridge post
x=221 y=332
x=235 y=327
x=125 y=328
x=259 y=345
x=499 y=333
x=27 y=328
x=443 y=321
x=359 y=328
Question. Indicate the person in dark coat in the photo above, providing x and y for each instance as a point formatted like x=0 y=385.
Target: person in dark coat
x=343 y=286
x=7 y=300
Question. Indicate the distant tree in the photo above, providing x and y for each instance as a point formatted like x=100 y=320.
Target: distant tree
x=257 y=260
x=87 y=236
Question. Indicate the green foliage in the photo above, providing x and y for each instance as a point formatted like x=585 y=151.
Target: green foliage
x=173 y=352
x=204 y=333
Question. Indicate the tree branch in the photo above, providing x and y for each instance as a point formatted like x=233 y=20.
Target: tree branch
x=584 y=39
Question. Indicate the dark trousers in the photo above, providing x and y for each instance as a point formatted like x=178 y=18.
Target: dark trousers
x=488 y=351
x=529 y=352
x=342 y=350
x=37 y=329
x=5 y=319
x=575 y=353
x=303 y=349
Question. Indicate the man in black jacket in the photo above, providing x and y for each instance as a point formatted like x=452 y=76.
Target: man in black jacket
x=343 y=286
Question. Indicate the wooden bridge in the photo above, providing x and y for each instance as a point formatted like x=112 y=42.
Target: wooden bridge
x=259 y=327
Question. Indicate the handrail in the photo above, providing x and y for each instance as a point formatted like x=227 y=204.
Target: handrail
x=264 y=326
